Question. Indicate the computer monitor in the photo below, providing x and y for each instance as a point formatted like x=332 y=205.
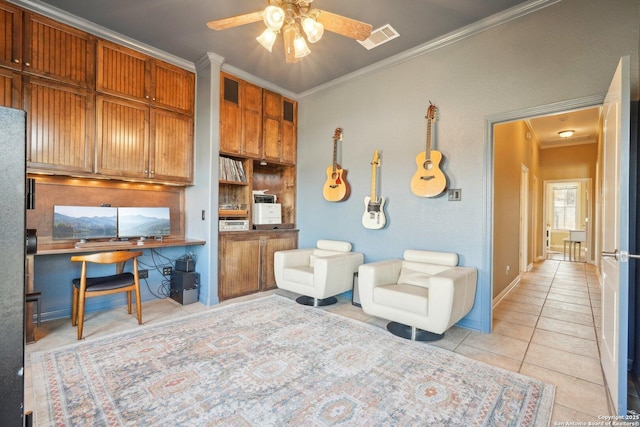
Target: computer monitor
x=84 y=222
x=143 y=222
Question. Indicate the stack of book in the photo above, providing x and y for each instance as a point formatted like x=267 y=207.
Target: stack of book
x=231 y=170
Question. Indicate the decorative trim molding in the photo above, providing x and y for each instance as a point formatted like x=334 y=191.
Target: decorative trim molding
x=455 y=36
x=259 y=82
x=105 y=33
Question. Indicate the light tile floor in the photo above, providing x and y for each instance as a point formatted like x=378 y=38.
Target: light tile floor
x=544 y=328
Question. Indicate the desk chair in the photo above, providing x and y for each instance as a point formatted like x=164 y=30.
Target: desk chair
x=85 y=287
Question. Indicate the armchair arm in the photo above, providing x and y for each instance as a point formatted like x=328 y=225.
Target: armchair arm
x=452 y=290
x=289 y=258
x=334 y=273
x=375 y=274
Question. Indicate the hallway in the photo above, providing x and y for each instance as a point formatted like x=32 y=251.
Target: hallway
x=546 y=328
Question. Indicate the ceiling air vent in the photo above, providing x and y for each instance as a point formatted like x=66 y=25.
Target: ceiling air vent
x=379 y=36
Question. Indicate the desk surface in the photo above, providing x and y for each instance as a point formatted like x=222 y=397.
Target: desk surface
x=69 y=247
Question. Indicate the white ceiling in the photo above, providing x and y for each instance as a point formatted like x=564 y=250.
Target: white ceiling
x=178 y=27
x=585 y=123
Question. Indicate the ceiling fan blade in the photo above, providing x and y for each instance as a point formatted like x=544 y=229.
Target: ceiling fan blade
x=288 y=34
x=344 y=26
x=234 y=21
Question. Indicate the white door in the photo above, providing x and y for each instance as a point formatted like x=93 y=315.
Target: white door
x=615 y=236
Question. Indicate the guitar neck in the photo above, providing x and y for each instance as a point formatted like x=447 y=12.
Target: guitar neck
x=335 y=155
x=374 y=198
x=428 y=149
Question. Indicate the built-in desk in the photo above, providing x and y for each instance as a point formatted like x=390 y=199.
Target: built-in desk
x=55 y=248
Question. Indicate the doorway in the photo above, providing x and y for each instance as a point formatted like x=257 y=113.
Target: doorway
x=567 y=209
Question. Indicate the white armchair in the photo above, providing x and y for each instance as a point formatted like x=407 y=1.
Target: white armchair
x=318 y=274
x=423 y=295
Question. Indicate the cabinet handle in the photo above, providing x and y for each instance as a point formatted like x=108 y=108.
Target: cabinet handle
x=146 y=96
x=27 y=64
x=146 y=171
x=152 y=172
x=153 y=99
x=17 y=61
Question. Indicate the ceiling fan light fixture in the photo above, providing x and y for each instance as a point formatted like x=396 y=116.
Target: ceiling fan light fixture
x=300 y=47
x=566 y=133
x=273 y=17
x=267 y=39
x=313 y=29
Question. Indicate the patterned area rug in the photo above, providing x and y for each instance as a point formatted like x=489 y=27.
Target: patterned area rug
x=272 y=362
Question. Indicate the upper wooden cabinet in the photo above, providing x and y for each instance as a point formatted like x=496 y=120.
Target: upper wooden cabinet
x=256 y=123
x=60 y=128
x=38 y=45
x=137 y=141
x=128 y=73
x=279 y=128
x=11 y=32
x=240 y=117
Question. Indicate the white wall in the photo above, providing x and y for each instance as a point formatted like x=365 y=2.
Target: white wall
x=565 y=51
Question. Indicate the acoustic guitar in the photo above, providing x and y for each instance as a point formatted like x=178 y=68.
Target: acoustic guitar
x=373 y=216
x=336 y=187
x=429 y=180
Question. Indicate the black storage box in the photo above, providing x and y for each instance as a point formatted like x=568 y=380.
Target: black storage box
x=185 y=264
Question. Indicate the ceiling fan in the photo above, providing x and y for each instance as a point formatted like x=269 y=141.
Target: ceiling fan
x=293 y=18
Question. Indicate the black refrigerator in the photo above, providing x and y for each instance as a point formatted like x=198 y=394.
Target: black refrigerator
x=12 y=264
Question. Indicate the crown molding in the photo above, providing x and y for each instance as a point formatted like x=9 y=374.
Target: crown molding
x=452 y=37
x=105 y=33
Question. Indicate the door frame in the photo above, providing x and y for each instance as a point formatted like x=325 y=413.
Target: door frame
x=487 y=274
x=524 y=220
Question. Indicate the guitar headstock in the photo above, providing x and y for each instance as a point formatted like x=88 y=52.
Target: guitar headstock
x=376 y=159
x=337 y=135
x=431 y=112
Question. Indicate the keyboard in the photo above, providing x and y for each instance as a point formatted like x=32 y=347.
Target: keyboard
x=103 y=244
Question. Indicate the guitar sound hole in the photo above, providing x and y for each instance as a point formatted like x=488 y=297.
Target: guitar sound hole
x=428 y=165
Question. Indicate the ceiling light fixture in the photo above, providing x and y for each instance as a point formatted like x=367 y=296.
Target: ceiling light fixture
x=298 y=23
x=566 y=133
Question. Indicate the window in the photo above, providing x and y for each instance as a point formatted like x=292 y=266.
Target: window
x=564 y=208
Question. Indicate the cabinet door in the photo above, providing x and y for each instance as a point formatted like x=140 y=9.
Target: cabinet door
x=251 y=120
x=171 y=146
x=11 y=33
x=59 y=126
x=230 y=115
x=123 y=137
x=238 y=268
x=10 y=88
x=272 y=113
x=58 y=51
x=122 y=71
x=172 y=87
x=280 y=241
x=289 y=131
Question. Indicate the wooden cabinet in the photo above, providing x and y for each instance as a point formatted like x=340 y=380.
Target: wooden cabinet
x=11 y=32
x=10 y=88
x=60 y=127
x=240 y=117
x=246 y=261
x=53 y=71
x=131 y=74
x=279 y=139
x=58 y=51
x=136 y=141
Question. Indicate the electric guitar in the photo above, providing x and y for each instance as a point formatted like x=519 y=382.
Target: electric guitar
x=429 y=181
x=373 y=216
x=336 y=187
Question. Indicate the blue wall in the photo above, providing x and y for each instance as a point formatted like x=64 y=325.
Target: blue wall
x=53 y=275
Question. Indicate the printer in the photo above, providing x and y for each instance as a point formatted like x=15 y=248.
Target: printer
x=265 y=208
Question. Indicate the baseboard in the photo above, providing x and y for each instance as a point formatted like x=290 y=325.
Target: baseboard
x=505 y=291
